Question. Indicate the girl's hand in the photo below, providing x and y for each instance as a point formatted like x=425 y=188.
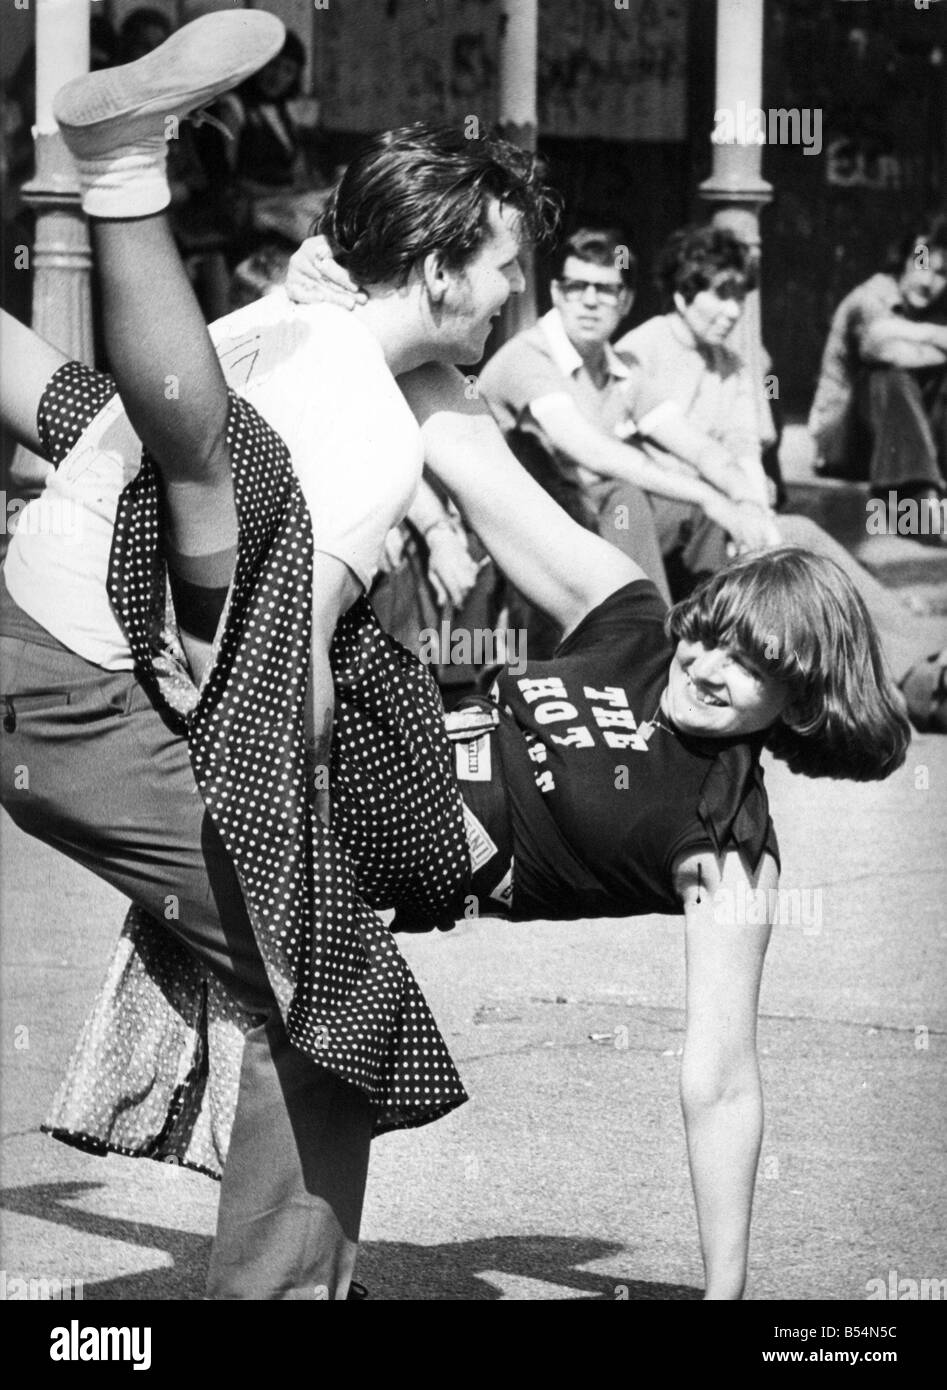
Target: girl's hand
x=451 y=570
x=314 y=277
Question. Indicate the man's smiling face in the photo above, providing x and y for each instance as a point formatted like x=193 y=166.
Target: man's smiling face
x=476 y=293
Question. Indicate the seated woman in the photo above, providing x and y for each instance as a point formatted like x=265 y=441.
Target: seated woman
x=705 y=273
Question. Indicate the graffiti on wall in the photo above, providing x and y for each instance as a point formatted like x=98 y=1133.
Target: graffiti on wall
x=617 y=72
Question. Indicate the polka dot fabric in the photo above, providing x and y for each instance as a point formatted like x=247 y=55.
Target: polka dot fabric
x=157 y=1067
x=397 y=839
x=73 y=397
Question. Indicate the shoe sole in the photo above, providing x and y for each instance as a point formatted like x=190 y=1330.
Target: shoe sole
x=209 y=56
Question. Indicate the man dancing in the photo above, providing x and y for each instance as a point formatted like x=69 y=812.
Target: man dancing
x=274 y=504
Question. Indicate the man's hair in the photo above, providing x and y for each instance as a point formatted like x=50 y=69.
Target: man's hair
x=798 y=618
x=599 y=246
x=424 y=188
x=932 y=233
x=694 y=257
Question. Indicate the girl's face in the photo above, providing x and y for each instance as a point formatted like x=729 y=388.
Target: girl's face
x=717 y=692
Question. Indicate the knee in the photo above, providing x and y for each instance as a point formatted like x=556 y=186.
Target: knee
x=886 y=384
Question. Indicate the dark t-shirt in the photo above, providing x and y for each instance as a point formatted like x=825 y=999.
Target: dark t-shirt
x=603 y=801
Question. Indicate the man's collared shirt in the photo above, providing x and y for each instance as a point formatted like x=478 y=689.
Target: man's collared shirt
x=541 y=362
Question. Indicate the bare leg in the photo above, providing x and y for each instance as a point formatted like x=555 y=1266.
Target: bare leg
x=168 y=376
x=115 y=124
x=27 y=362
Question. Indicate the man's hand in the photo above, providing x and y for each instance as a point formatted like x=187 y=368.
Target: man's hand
x=451 y=569
x=749 y=526
x=315 y=277
x=746 y=481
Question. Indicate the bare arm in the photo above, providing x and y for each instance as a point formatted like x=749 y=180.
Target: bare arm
x=899 y=342
x=592 y=448
x=27 y=362
x=721 y=1093
x=673 y=432
x=556 y=563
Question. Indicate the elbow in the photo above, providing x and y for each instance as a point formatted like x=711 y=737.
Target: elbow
x=878 y=350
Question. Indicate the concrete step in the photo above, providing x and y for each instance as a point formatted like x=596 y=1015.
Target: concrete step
x=840 y=507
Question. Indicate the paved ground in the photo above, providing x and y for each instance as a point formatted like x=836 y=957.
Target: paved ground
x=565 y=1176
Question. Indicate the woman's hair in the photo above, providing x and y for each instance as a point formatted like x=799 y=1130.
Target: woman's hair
x=694 y=257
x=797 y=617
x=424 y=188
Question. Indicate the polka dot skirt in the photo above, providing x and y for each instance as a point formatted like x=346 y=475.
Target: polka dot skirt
x=397 y=839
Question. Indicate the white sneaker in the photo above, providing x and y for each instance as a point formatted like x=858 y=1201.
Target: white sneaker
x=118 y=107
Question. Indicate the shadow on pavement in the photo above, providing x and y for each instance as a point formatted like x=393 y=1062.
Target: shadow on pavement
x=503 y=1266
x=183 y=1278
x=526 y=1267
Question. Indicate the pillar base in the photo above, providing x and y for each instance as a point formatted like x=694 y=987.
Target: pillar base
x=736 y=177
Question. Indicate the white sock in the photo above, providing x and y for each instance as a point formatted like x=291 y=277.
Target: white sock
x=131 y=181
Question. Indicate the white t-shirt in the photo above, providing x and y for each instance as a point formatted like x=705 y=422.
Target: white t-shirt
x=319 y=378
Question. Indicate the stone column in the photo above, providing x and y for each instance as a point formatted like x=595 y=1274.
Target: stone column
x=61 y=260
x=736 y=189
x=519 y=41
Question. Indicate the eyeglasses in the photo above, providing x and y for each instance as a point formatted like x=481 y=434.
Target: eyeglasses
x=576 y=289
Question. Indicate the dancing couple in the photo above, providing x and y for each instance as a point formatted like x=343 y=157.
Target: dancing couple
x=211 y=715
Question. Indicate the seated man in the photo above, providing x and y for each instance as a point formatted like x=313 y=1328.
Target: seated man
x=884 y=370
x=576 y=413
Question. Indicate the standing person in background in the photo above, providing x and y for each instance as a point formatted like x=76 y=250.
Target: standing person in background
x=880 y=408
x=259 y=151
x=264 y=153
